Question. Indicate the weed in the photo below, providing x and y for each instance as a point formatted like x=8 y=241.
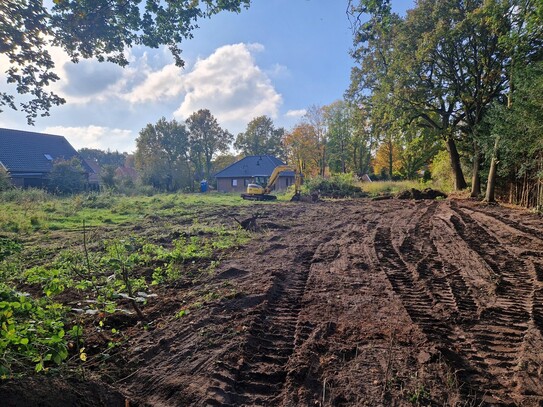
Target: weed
x=419 y=396
x=32 y=332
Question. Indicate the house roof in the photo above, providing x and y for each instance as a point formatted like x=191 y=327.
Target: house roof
x=30 y=152
x=253 y=166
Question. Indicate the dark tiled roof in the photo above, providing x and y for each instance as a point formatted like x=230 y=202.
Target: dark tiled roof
x=253 y=166
x=25 y=151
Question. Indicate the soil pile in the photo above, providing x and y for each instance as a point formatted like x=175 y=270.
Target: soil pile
x=427 y=193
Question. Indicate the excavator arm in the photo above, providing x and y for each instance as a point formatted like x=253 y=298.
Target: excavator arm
x=257 y=193
x=275 y=176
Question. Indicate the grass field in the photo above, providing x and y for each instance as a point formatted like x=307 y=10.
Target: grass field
x=68 y=265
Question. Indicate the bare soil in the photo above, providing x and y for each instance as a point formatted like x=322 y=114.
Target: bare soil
x=345 y=303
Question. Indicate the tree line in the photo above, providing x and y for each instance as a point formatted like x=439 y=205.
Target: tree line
x=462 y=77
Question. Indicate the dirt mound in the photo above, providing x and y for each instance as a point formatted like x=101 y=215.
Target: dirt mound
x=54 y=392
x=427 y=193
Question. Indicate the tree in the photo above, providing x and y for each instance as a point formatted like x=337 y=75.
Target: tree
x=523 y=43
x=67 y=177
x=302 y=146
x=113 y=158
x=439 y=67
x=162 y=155
x=338 y=122
x=206 y=138
x=261 y=138
x=101 y=29
x=520 y=126
x=362 y=141
x=387 y=161
x=315 y=118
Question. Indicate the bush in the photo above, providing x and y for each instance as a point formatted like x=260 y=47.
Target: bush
x=442 y=175
x=24 y=196
x=5 y=182
x=337 y=186
x=67 y=177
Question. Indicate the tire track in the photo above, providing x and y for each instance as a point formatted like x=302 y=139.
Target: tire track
x=500 y=331
x=260 y=375
x=443 y=281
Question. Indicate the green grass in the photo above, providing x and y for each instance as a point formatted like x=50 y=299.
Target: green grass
x=122 y=252
x=27 y=212
x=390 y=187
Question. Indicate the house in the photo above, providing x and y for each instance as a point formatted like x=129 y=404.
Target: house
x=28 y=156
x=255 y=169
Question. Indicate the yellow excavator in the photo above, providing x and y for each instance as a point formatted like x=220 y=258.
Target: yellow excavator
x=257 y=192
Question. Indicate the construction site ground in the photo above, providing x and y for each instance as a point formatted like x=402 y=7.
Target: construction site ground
x=343 y=303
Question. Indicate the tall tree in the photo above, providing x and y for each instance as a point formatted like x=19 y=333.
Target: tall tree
x=315 y=118
x=338 y=120
x=85 y=29
x=302 y=146
x=206 y=138
x=261 y=138
x=523 y=43
x=439 y=67
x=362 y=142
x=520 y=126
x=161 y=155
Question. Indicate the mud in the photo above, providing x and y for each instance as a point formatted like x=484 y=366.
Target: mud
x=356 y=303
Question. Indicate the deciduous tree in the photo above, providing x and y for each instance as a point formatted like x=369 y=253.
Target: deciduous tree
x=302 y=146
x=101 y=29
x=206 y=138
x=261 y=138
x=162 y=155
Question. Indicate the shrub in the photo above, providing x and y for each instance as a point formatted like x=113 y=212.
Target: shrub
x=442 y=175
x=67 y=177
x=337 y=186
x=5 y=182
x=32 y=332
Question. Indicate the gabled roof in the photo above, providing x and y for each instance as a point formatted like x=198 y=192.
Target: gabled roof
x=30 y=152
x=253 y=166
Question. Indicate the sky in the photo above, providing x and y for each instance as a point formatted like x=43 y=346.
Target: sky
x=276 y=58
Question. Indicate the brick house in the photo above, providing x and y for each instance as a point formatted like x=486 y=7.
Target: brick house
x=255 y=169
x=28 y=157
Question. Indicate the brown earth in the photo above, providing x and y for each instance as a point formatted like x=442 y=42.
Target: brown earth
x=348 y=303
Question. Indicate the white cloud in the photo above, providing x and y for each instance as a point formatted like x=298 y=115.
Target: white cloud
x=296 y=113
x=164 y=83
x=231 y=86
x=103 y=138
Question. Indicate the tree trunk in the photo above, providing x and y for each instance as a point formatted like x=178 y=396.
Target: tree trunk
x=491 y=185
x=476 y=177
x=459 y=180
x=390 y=159
x=323 y=164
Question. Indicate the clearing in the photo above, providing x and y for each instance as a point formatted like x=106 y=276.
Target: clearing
x=343 y=303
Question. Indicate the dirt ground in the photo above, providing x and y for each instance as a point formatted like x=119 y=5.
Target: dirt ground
x=347 y=303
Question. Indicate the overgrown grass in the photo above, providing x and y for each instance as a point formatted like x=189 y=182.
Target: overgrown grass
x=104 y=270
x=391 y=187
x=28 y=211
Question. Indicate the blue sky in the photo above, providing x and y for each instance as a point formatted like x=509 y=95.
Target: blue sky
x=277 y=58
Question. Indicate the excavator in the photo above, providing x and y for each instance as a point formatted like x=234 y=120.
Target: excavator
x=257 y=192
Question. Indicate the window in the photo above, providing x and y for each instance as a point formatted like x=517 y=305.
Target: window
x=234 y=182
x=246 y=181
x=47 y=156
